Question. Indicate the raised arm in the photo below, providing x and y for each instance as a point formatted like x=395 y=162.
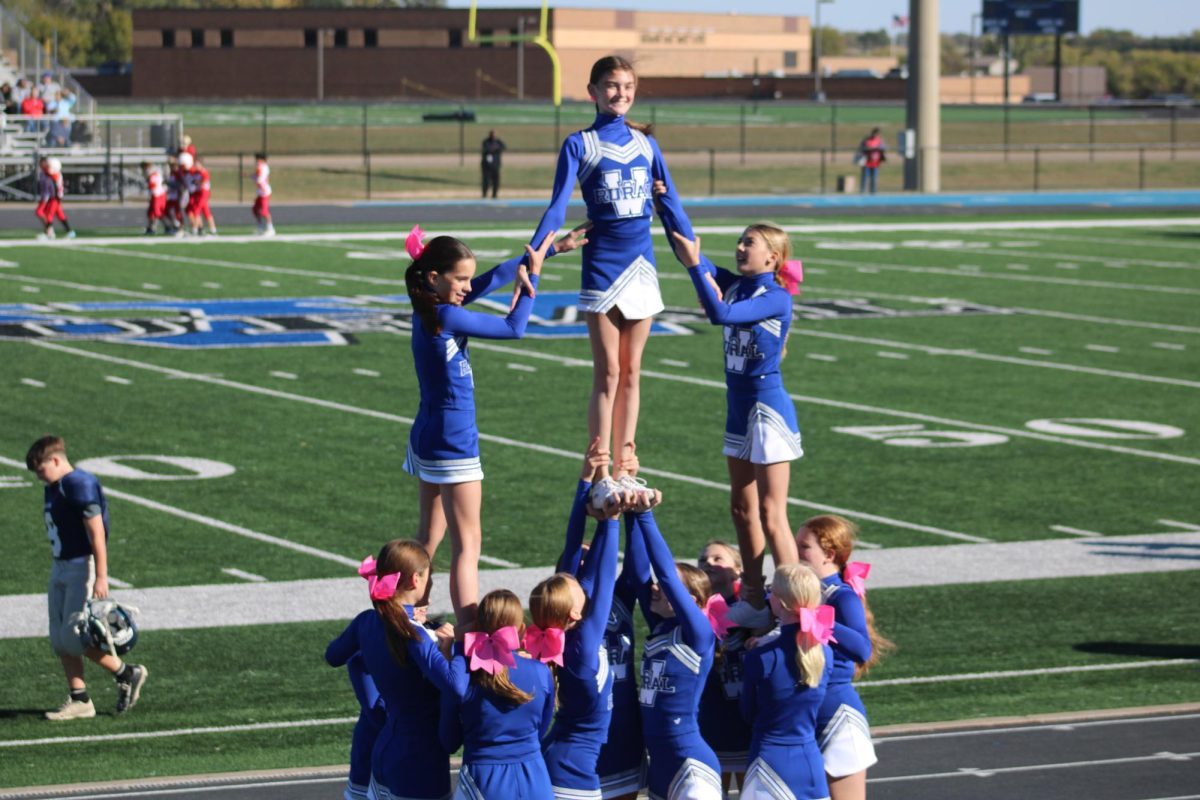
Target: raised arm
x=768 y=305
x=697 y=631
x=572 y=553
x=460 y=321
x=636 y=571
x=602 y=564
x=494 y=278
x=564 y=186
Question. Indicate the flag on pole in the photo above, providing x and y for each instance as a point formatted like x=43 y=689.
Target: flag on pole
x=899 y=21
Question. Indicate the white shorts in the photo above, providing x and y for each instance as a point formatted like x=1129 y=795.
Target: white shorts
x=70 y=586
x=768 y=437
x=459 y=470
x=846 y=743
x=634 y=293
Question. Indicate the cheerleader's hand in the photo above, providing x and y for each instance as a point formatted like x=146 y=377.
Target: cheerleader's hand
x=594 y=461
x=656 y=191
x=575 y=239
x=686 y=250
x=523 y=285
x=713 y=283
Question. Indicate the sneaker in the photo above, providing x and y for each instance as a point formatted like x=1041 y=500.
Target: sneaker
x=72 y=709
x=635 y=486
x=128 y=691
x=270 y=231
x=41 y=237
x=603 y=491
x=744 y=615
x=71 y=234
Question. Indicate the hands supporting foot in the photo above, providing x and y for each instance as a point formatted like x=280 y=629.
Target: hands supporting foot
x=612 y=496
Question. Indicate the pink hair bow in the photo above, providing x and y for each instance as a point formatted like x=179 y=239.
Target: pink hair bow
x=413 y=243
x=717 y=611
x=855 y=575
x=491 y=651
x=381 y=588
x=816 y=626
x=792 y=273
x=546 y=644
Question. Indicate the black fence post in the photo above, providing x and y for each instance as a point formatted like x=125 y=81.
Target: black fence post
x=1037 y=166
x=264 y=129
x=1091 y=133
x=823 y=154
x=367 y=165
x=1006 y=125
x=108 y=159
x=1174 y=114
x=121 y=178
x=462 y=141
x=1141 y=168
x=712 y=171
x=364 y=128
x=742 y=133
x=833 y=127
x=241 y=175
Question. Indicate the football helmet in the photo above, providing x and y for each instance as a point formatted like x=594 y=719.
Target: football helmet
x=185 y=160
x=110 y=627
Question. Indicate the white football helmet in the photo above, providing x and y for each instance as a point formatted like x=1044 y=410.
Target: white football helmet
x=110 y=627
x=185 y=160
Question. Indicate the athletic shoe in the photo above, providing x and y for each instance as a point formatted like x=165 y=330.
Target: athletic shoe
x=41 y=237
x=128 y=691
x=635 y=486
x=70 y=234
x=72 y=709
x=744 y=615
x=603 y=492
x=270 y=231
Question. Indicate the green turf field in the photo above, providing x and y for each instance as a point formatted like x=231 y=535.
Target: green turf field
x=1011 y=385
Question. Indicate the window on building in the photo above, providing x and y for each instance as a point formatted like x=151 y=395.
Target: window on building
x=455 y=38
x=340 y=37
x=226 y=37
x=310 y=37
x=197 y=37
x=168 y=37
x=789 y=59
x=370 y=37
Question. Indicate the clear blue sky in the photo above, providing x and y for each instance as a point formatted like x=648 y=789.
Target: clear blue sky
x=1147 y=17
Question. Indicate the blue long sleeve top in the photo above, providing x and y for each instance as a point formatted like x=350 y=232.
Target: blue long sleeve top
x=679 y=653
x=780 y=709
x=756 y=313
x=616 y=167
x=853 y=644
x=442 y=361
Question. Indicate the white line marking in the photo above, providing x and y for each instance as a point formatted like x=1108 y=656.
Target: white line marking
x=671 y=362
x=1129 y=323
x=13 y=482
x=256 y=726
x=120 y=584
x=327 y=282
x=117 y=380
x=191 y=787
x=1067 y=266
x=1168 y=346
x=974 y=354
x=367 y=373
x=889 y=354
x=970 y=771
x=154 y=287
x=30 y=289
x=268 y=284
x=246 y=576
x=211 y=285
x=1074 y=531
x=498 y=562
x=1019 y=267
x=382 y=415
x=1102 y=348
x=34 y=383
x=521 y=367
x=821 y=357
x=1036 y=351
x=86 y=287
x=1187 y=526
x=8 y=264
x=1022 y=673
x=287 y=376
x=1075 y=724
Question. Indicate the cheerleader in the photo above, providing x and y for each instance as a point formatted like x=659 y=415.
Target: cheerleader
x=443 y=446
x=783 y=684
x=675 y=663
x=825 y=543
x=372 y=715
x=615 y=163
x=407 y=760
x=762 y=437
x=498 y=705
x=721 y=722
x=570 y=613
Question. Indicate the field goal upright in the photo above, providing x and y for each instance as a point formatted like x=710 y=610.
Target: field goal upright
x=540 y=39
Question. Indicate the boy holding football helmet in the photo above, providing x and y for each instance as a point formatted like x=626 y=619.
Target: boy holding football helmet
x=76 y=514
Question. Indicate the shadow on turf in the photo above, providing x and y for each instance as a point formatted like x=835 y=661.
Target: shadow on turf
x=1146 y=649
x=18 y=713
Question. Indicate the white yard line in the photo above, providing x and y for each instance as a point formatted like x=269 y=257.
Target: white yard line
x=86 y=287
x=1025 y=673
x=382 y=415
x=972 y=772
x=1074 y=531
x=246 y=576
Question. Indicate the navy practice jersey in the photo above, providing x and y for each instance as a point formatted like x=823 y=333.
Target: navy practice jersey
x=68 y=502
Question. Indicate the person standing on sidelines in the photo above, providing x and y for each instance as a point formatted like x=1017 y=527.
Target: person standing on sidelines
x=870 y=156
x=50 y=195
x=76 y=514
x=262 y=195
x=489 y=163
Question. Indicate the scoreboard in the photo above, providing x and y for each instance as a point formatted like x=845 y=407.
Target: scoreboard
x=1029 y=17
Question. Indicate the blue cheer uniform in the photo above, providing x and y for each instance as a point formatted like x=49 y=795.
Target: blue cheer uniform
x=785 y=761
x=760 y=420
x=615 y=166
x=372 y=715
x=443 y=446
x=675 y=664
x=408 y=760
x=502 y=756
x=585 y=682
x=842 y=728
x=721 y=722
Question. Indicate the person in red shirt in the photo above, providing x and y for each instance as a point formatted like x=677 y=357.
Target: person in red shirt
x=199 y=188
x=158 y=197
x=33 y=106
x=50 y=194
x=870 y=155
x=262 y=195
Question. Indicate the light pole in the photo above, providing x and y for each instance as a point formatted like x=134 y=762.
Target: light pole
x=974 y=51
x=818 y=95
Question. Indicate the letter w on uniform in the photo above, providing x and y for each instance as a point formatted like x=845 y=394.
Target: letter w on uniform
x=653 y=682
x=627 y=195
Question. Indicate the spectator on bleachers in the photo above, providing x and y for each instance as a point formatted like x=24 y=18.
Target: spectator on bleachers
x=32 y=106
x=19 y=93
x=60 y=126
x=49 y=87
x=6 y=91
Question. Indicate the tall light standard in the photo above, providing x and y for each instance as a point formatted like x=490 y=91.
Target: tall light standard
x=818 y=95
x=974 y=52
